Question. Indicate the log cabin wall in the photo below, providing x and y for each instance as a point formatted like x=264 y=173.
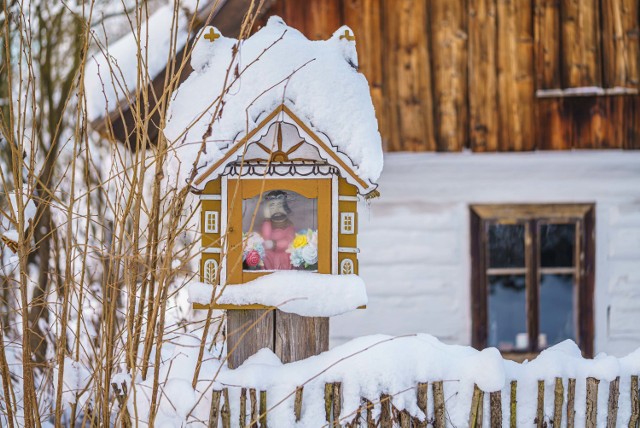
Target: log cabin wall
x=491 y=75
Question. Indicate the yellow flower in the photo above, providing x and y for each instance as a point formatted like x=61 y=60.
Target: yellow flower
x=300 y=241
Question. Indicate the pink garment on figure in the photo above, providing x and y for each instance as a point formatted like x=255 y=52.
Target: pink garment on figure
x=277 y=258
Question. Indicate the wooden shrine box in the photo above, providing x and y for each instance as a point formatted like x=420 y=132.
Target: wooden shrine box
x=285 y=184
x=278 y=136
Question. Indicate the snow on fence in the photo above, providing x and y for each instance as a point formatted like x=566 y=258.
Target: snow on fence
x=384 y=381
x=253 y=411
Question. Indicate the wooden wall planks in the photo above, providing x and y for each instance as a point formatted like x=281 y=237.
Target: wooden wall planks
x=452 y=74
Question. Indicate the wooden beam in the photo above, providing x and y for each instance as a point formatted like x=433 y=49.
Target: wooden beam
x=449 y=48
x=580 y=60
x=483 y=109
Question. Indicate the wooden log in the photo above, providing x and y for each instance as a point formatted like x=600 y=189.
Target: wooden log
x=612 y=409
x=438 y=404
x=620 y=43
x=368 y=405
x=323 y=18
x=476 y=403
x=328 y=400
x=404 y=419
x=592 y=402
x=483 y=96
x=248 y=331
x=295 y=14
x=554 y=120
x=263 y=409
x=242 y=417
x=225 y=413
x=422 y=393
x=547 y=47
x=525 y=81
x=631 y=31
x=513 y=407
x=337 y=403
x=635 y=403
x=571 y=398
x=580 y=60
x=558 y=393
x=214 y=413
x=495 y=401
x=515 y=76
x=540 y=409
x=407 y=66
x=613 y=50
x=385 y=411
x=254 y=408
x=298 y=337
x=365 y=19
x=297 y=404
x=449 y=49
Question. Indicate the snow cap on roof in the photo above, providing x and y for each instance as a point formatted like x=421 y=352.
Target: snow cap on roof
x=317 y=80
x=111 y=75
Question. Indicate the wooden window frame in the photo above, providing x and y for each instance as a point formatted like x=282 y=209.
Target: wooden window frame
x=242 y=189
x=531 y=215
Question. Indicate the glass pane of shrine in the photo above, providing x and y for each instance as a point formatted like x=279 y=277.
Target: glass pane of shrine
x=557 y=245
x=506 y=245
x=280 y=232
x=507 y=312
x=557 y=309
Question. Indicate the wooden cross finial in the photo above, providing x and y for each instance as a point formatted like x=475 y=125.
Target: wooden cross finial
x=347 y=36
x=211 y=35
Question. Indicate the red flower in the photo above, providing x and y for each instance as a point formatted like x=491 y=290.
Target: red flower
x=253 y=258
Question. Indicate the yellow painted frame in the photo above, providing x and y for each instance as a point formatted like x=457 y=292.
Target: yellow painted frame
x=240 y=189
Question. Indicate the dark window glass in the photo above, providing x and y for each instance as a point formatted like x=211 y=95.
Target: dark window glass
x=557 y=245
x=506 y=245
x=557 y=305
x=507 y=312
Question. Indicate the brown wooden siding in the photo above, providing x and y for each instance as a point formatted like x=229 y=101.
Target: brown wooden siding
x=447 y=75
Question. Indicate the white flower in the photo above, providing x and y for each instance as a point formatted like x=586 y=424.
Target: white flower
x=296 y=257
x=310 y=254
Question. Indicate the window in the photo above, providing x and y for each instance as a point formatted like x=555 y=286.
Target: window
x=280 y=232
x=532 y=276
x=211 y=222
x=347 y=223
x=210 y=269
x=346 y=267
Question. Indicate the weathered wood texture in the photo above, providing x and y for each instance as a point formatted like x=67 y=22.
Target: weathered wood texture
x=299 y=337
x=291 y=337
x=448 y=75
x=248 y=331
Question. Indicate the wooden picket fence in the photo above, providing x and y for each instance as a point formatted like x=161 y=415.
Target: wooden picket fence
x=388 y=416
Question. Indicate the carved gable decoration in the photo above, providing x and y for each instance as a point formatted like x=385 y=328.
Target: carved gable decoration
x=282 y=144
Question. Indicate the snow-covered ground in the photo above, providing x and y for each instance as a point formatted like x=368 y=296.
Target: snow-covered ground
x=414 y=242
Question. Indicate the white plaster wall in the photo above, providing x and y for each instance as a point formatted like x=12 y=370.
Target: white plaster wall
x=414 y=240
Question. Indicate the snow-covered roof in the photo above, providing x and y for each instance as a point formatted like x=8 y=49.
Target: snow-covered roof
x=112 y=72
x=317 y=81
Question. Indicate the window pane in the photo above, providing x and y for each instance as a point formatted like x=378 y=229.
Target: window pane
x=557 y=245
x=506 y=245
x=280 y=232
x=507 y=312
x=557 y=319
